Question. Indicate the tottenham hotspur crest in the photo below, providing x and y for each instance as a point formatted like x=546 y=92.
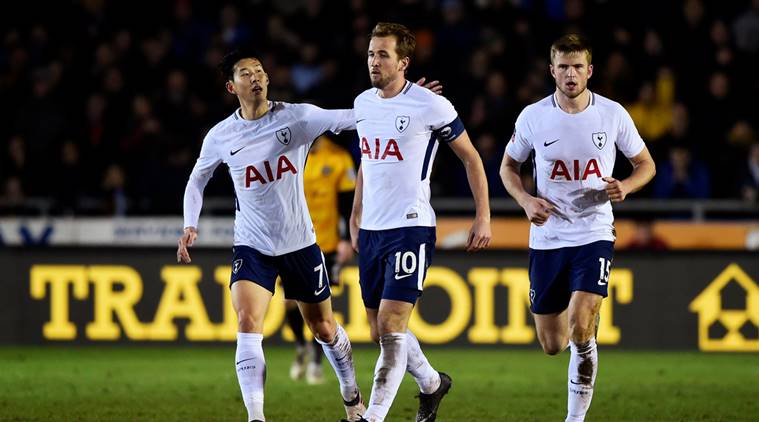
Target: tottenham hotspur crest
x=599 y=139
x=401 y=122
x=284 y=135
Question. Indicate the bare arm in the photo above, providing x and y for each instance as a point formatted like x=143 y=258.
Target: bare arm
x=644 y=170
x=537 y=209
x=355 y=220
x=480 y=234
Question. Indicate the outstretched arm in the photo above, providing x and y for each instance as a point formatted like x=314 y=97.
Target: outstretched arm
x=480 y=234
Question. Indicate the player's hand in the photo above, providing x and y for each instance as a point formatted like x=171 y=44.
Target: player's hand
x=615 y=189
x=434 y=86
x=344 y=252
x=479 y=235
x=187 y=239
x=354 y=233
x=538 y=210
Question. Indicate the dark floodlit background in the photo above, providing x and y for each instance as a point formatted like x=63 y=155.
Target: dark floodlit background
x=105 y=103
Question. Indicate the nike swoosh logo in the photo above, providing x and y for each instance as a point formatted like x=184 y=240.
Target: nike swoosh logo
x=244 y=360
x=235 y=152
x=317 y=292
x=545 y=144
x=601 y=284
x=359 y=121
x=576 y=383
x=397 y=277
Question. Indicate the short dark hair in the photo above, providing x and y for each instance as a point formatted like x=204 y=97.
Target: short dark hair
x=572 y=43
x=227 y=64
x=405 y=41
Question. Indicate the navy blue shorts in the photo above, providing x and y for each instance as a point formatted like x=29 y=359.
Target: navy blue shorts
x=393 y=263
x=305 y=276
x=556 y=273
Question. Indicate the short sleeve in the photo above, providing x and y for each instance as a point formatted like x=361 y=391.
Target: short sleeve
x=519 y=146
x=444 y=120
x=628 y=138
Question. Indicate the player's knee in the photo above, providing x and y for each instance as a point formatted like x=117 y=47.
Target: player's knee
x=553 y=347
x=553 y=344
x=581 y=329
x=323 y=329
x=248 y=323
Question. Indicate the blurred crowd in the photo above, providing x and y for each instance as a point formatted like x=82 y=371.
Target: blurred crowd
x=105 y=104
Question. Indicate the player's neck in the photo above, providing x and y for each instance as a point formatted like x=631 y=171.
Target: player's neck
x=252 y=110
x=573 y=105
x=393 y=88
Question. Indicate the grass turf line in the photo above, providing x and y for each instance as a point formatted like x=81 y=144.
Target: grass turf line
x=197 y=383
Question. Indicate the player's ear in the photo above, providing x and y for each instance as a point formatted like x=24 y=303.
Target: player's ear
x=403 y=64
x=230 y=87
x=553 y=73
x=590 y=70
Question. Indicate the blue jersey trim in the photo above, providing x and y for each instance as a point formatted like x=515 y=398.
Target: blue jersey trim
x=428 y=154
x=451 y=131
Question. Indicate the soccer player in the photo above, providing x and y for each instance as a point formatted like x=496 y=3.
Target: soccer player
x=574 y=134
x=329 y=181
x=392 y=223
x=265 y=143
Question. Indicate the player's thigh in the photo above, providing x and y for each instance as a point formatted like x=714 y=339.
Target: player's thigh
x=406 y=263
x=590 y=267
x=252 y=283
x=393 y=316
x=549 y=280
x=305 y=277
x=370 y=268
x=250 y=302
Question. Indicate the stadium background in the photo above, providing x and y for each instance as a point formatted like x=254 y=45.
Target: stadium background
x=105 y=105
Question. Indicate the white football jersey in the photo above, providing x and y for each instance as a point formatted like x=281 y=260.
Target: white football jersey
x=398 y=141
x=266 y=158
x=572 y=153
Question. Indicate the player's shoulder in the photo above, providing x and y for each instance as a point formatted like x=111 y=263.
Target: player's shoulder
x=607 y=104
x=537 y=110
x=539 y=107
x=285 y=109
x=366 y=95
x=224 y=126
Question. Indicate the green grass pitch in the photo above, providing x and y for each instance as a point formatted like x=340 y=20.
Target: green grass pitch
x=197 y=383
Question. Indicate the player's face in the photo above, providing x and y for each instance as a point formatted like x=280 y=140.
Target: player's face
x=250 y=81
x=571 y=72
x=384 y=64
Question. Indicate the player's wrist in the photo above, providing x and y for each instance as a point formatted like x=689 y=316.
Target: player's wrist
x=190 y=229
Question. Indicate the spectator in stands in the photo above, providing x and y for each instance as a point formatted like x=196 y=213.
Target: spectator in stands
x=78 y=76
x=652 y=113
x=746 y=29
x=681 y=176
